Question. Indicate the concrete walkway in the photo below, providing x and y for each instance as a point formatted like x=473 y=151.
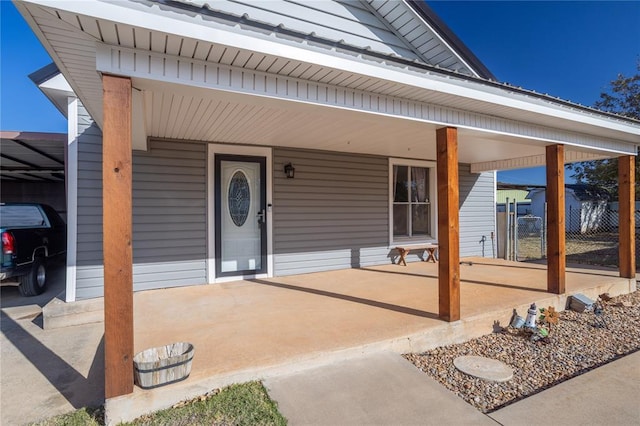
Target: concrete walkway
x=262 y=329
x=608 y=395
x=48 y=372
x=385 y=389
x=381 y=389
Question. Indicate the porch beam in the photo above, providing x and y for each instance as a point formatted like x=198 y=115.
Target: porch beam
x=195 y=76
x=448 y=224
x=626 y=216
x=117 y=231
x=556 y=261
x=535 y=161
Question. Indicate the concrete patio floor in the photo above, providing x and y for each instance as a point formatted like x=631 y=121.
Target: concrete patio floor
x=248 y=330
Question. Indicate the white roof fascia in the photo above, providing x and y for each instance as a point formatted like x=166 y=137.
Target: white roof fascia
x=58 y=91
x=26 y=15
x=519 y=101
x=57 y=83
x=196 y=29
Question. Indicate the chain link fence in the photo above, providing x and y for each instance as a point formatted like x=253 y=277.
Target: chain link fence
x=591 y=236
x=530 y=242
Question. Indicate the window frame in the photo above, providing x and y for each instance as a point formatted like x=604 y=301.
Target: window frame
x=433 y=208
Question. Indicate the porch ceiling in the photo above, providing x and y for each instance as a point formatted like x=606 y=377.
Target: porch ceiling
x=177 y=112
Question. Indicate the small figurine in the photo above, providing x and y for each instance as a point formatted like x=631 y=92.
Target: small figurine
x=598 y=312
x=532 y=314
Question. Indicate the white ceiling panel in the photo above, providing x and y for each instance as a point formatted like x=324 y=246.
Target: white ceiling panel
x=244 y=119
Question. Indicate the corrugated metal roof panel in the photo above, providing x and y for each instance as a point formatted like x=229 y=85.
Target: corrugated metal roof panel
x=513 y=194
x=336 y=22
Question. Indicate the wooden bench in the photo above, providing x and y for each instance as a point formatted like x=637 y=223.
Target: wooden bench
x=431 y=250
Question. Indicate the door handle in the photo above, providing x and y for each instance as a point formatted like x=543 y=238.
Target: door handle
x=262 y=216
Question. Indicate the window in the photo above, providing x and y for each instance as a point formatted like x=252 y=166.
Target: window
x=21 y=216
x=411 y=201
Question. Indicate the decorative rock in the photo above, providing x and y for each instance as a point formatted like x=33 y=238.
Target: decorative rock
x=575 y=347
x=484 y=368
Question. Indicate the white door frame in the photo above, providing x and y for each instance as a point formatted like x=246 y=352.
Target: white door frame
x=256 y=151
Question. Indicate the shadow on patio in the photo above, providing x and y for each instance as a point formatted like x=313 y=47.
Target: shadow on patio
x=255 y=329
x=256 y=325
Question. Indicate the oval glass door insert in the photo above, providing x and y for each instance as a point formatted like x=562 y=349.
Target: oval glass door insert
x=239 y=198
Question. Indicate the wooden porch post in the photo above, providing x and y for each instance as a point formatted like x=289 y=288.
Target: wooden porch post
x=626 y=215
x=556 y=261
x=117 y=227
x=448 y=224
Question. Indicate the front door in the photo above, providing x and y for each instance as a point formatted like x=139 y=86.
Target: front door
x=240 y=216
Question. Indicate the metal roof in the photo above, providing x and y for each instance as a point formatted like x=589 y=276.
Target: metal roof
x=500 y=126
x=477 y=71
x=382 y=29
x=519 y=195
x=421 y=7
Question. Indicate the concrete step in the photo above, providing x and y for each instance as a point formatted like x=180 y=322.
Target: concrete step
x=58 y=313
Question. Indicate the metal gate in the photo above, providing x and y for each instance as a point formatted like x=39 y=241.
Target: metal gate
x=520 y=237
x=529 y=238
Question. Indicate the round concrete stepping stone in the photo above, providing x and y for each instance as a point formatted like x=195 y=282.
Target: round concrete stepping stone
x=484 y=368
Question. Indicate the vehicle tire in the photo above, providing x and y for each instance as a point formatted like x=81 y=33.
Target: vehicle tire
x=35 y=281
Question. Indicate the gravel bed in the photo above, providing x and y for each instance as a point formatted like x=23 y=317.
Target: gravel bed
x=574 y=347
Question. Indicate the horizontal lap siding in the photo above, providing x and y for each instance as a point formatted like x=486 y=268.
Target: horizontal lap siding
x=477 y=212
x=89 y=269
x=332 y=215
x=169 y=214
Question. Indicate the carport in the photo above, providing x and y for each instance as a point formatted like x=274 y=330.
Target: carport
x=33 y=168
x=34 y=164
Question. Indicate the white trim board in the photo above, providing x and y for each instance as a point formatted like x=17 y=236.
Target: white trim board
x=71 y=179
x=433 y=207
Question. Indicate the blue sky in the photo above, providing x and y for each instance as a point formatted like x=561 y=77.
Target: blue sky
x=567 y=49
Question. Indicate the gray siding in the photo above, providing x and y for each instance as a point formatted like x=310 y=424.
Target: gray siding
x=169 y=214
x=477 y=212
x=333 y=215
x=89 y=270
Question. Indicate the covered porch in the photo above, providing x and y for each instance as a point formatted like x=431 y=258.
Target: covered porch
x=247 y=330
x=451 y=143
x=206 y=82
